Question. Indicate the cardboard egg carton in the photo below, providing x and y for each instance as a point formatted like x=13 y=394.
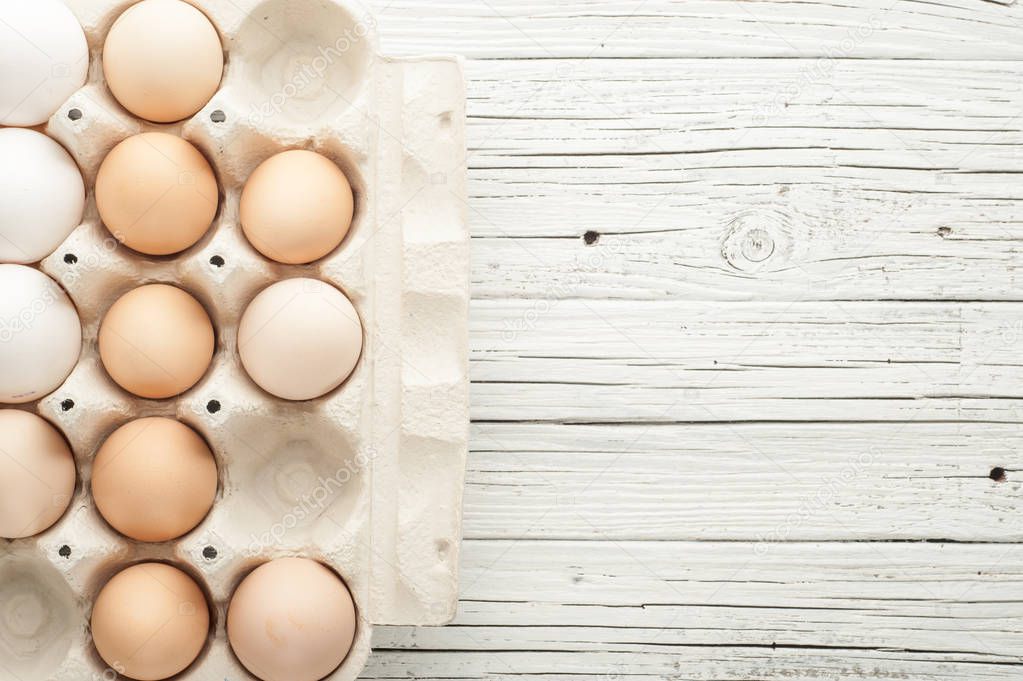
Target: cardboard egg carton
x=367 y=479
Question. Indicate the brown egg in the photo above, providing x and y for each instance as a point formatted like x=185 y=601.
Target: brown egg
x=37 y=474
x=297 y=207
x=154 y=479
x=163 y=60
x=150 y=622
x=156 y=193
x=156 y=341
x=292 y=619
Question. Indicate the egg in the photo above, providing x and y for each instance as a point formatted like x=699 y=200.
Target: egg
x=150 y=621
x=42 y=195
x=156 y=341
x=163 y=60
x=44 y=59
x=156 y=193
x=37 y=474
x=154 y=479
x=40 y=335
x=300 y=338
x=296 y=207
x=291 y=619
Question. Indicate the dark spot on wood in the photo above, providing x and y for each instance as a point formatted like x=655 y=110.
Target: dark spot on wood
x=997 y=474
x=209 y=553
x=67 y=405
x=944 y=232
x=70 y=258
x=64 y=551
x=213 y=406
x=74 y=114
x=591 y=237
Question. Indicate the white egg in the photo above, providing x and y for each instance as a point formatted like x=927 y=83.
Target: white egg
x=44 y=59
x=40 y=334
x=42 y=195
x=300 y=338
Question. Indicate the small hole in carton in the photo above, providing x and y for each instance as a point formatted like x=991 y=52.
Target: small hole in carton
x=74 y=114
x=209 y=553
x=217 y=261
x=70 y=258
x=218 y=116
x=213 y=406
x=64 y=551
x=67 y=405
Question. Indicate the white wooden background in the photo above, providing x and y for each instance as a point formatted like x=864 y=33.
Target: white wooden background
x=748 y=432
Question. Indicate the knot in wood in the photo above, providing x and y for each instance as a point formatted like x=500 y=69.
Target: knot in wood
x=755 y=241
x=757 y=245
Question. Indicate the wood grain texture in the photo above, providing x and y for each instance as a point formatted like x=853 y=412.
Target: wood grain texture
x=773 y=482
x=587 y=361
x=704 y=29
x=677 y=610
x=747 y=179
x=745 y=340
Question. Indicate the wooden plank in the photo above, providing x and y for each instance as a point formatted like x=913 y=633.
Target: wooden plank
x=699 y=372
x=499 y=29
x=718 y=663
x=723 y=611
x=739 y=179
x=759 y=482
x=653 y=362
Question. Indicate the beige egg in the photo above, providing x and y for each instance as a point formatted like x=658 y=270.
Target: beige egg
x=37 y=474
x=300 y=338
x=156 y=341
x=291 y=619
x=150 y=621
x=154 y=479
x=156 y=193
x=297 y=207
x=163 y=60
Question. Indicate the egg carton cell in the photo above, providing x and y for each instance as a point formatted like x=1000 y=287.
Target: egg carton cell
x=366 y=479
x=39 y=617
